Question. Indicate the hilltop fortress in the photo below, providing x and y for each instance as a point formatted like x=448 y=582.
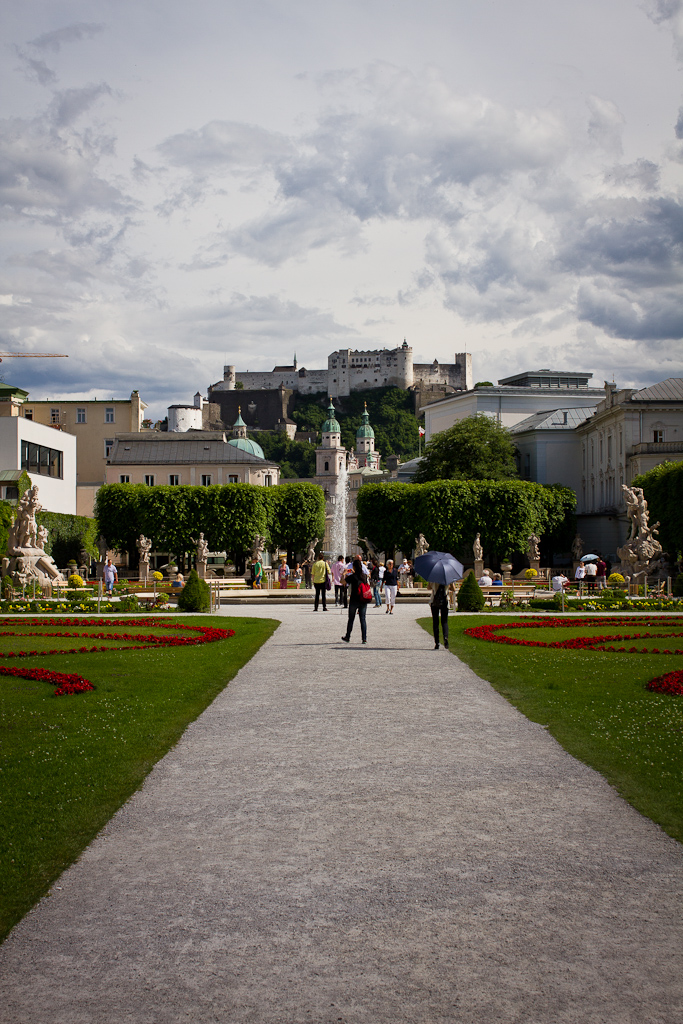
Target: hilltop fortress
x=352 y=370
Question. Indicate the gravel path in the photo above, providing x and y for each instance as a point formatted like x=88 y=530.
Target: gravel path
x=360 y=835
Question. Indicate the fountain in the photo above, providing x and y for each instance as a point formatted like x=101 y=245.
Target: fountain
x=341 y=505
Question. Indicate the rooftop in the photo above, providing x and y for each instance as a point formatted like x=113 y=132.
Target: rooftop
x=669 y=390
x=558 y=419
x=195 y=447
x=548 y=379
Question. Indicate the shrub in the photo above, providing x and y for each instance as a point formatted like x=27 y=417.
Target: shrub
x=75 y=580
x=470 y=597
x=131 y=603
x=616 y=579
x=194 y=596
x=530 y=574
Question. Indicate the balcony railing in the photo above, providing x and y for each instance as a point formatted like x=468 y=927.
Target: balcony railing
x=657 y=448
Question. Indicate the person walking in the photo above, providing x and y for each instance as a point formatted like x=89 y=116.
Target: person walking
x=111 y=576
x=319 y=572
x=297 y=576
x=357 y=601
x=439 y=607
x=337 y=573
x=390 y=586
x=375 y=583
x=283 y=573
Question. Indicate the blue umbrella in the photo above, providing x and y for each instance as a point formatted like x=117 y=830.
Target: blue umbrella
x=439 y=567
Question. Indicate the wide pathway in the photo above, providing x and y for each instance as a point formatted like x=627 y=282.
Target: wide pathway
x=360 y=835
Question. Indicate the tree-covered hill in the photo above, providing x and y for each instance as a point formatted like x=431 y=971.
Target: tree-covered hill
x=391 y=416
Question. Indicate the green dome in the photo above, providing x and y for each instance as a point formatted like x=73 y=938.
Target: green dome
x=246 y=445
x=331 y=425
x=365 y=430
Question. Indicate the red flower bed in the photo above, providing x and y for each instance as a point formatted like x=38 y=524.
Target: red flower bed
x=493 y=633
x=671 y=683
x=69 y=684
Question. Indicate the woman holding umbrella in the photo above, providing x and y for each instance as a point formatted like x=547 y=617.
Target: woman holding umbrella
x=440 y=570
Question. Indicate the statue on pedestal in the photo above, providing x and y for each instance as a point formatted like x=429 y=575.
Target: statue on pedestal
x=577 y=548
x=642 y=549
x=144 y=546
x=421 y=545
x=26 y=556
x=202 y=556
x=478 y=549
x=310 y=551
x=257 y=546
x=534 y=550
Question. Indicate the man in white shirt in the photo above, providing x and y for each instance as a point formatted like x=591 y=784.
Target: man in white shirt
x=558 y=581
x=591 y=573
x=486 y=580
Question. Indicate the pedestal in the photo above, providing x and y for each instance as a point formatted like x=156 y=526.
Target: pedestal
x=479 y=567
x=201 y=570
x=144 y=572
x=506 y=569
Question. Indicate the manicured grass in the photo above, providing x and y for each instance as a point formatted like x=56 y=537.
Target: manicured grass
x=68 y=763
x=595 y=704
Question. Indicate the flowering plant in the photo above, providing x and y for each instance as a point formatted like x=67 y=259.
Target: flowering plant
x=615 y=578
x=77 y=684
x=76 y=581
x=530 y=574
x=671 y=683
x=157 y=576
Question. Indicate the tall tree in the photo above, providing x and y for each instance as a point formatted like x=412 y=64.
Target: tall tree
x=476 y=448
x=296 y=514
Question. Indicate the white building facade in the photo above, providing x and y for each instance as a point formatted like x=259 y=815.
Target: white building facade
x=47 y=455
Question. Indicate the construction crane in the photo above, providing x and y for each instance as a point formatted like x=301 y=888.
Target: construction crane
x=32 y=355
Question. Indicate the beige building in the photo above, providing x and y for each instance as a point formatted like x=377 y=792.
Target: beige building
x=194 y=458
x=95 y=424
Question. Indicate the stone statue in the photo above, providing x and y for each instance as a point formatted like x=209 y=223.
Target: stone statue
x=372 y=550
x=202 y=555
x=642 y=550
x=257 y=546
x=421 y=545
x=478 y=549
x=144 y=546
x=310 y=550
x=577 y=548
x=26 y=555
x=534 y=551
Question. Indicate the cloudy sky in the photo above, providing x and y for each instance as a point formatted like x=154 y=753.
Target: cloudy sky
x=188 y=185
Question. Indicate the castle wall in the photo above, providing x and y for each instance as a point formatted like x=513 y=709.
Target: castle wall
x=355 y=370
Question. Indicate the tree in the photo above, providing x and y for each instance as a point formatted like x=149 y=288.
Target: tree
x=470 y=596
x=296 y=514
x=451 y=512
x=476 y=448
x=195 y=595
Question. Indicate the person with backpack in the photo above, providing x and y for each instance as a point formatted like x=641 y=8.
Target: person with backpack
x=439 y=607
x=359 y=599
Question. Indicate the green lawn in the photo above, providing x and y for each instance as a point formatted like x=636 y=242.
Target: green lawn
x=68 y=763
x=595 y=704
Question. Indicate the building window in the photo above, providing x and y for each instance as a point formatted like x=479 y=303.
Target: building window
x=36 y=458
x=327 y=467
x=232 y=478
x=527 y=466
x=658 y=436
x=80 y=416
x=149 y=479
x=621 y=443
x=28 y=414
x=54 y=416
x=267 y=481
x=108 y=445
x=123 y=479
x=609 y=447
x=173 y=480
x=109 y=414
x=206 y=480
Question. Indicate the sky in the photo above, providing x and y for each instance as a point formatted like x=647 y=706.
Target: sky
x=185 y=186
